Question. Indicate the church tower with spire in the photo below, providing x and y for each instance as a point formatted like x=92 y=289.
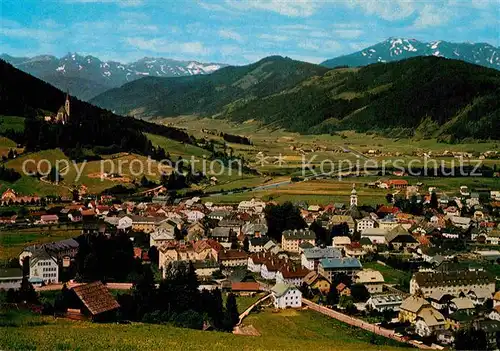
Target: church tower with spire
x=354 y=196
x=66 y=104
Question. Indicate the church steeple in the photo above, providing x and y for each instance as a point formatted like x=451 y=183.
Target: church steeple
x=354 y=196
x=67 y=104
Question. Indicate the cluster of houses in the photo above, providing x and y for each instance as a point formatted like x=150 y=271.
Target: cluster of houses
x=225 y=240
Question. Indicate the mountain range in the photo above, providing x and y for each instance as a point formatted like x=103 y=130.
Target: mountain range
x=395 y=49
x=430 y=97
x=88 y=76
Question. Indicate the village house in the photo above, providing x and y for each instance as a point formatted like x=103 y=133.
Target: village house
x=10 y=278
x=364 y=223
x=219 y=214
x=64 y=251
x=201 y=250
x=164 y=233
x=146 y=224
x=49 y=219
x=461 y=304
x=398 y=183
x=340 y=219
x=316 y=281
x=461 y=222
x=400 y=241
x=381 y=303
x=245 y=288
x=291 y=239
x=376 y=235
x=410 y=307
x=233 y=258
x=343 y=290
x=310 y=258
x=255 y=261
x=285 y=296
x=451 y=282
x=328 y=267
x=292 y=275
x=43 y=266
x=270 y=267
x=354 y=250
x=367 y=244
x=371 y=279
x=341 y=241
x=429 y=321
x=388 y=223
x=196 y=231
x=251 y=229
x=253 y=205
x=257 y=244
x=223 y=235
x=193 y=215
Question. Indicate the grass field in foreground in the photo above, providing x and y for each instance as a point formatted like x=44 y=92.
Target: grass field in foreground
x=289 y=330
x=13 y=241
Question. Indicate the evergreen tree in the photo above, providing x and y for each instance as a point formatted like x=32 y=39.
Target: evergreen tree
x=144 y=292
x=434 y=200
x=333 y=295
x=27 y=293
x=231 y=316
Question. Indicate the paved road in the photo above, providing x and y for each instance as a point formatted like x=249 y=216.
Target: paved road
x=361 y=324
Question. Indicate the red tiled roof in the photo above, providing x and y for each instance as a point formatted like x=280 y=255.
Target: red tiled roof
x=398 y=182
x=245 y=286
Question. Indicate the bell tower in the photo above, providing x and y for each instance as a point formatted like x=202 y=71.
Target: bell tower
x=354 y=196
x=66 y=104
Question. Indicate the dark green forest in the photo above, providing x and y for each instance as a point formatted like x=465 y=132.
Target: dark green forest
x=441 y=98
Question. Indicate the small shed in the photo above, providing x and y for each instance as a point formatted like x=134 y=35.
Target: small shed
x=96 y=301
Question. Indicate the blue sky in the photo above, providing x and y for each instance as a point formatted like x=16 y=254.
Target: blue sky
x=235 y=31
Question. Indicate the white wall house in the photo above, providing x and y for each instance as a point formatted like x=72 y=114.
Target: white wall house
x=285 y=296
x=364 y=223
x=44 y=267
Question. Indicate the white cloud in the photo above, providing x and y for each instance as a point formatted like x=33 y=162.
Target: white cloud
x=229 y=34
x=389 y=10
x=166 y=46
x=433 y=16
x=294 y=8
x=273 y=37
x=348 y=33
x=121 y=3
x=326 y=46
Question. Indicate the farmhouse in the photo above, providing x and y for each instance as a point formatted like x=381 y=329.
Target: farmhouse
x=285 y=296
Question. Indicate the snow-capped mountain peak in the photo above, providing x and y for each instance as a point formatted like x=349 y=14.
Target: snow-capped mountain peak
x=397 y=48
x=104 y=74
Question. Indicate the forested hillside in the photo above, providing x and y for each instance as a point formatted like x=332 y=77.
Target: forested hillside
x=207 y=94
x=26 y=96
x=424 y=96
